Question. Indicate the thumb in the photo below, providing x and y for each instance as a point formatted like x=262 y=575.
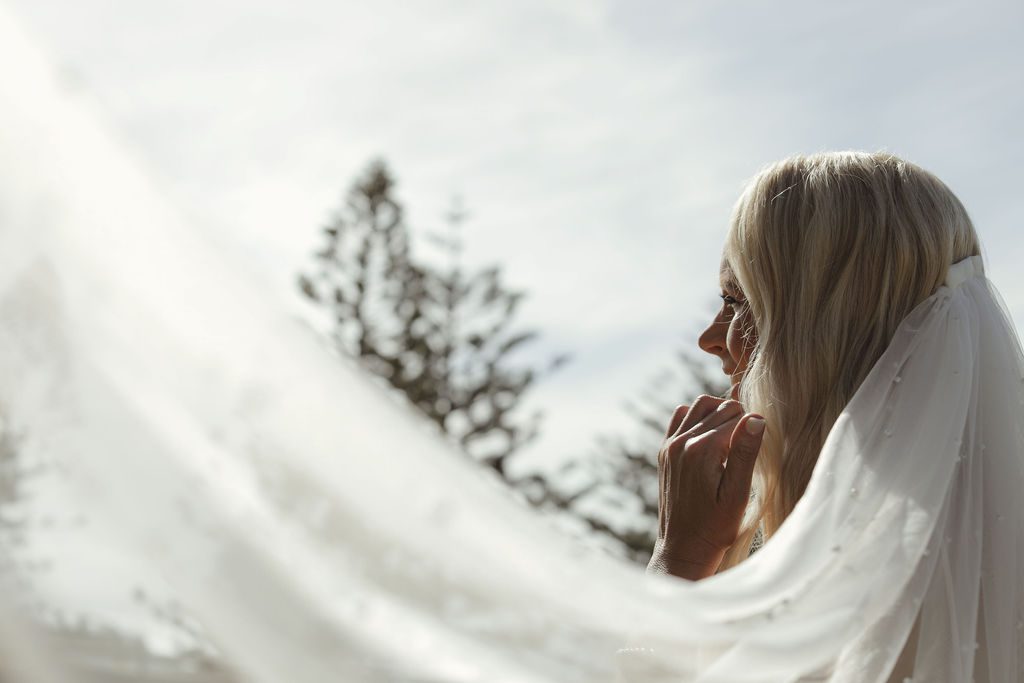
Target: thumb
x=744 y=446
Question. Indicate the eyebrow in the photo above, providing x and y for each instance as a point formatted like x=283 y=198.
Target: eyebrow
x=727 y=280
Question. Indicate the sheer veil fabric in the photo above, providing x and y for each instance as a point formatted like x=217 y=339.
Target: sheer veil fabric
x=321 y=533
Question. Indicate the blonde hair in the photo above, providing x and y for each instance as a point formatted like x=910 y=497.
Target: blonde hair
x=831 y=252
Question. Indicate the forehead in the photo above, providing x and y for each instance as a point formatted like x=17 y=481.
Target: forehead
x=726 y=278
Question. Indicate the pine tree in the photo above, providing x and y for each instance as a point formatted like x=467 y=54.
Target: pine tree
x=441 y=337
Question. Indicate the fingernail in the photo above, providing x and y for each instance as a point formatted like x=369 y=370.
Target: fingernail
x=755 y=425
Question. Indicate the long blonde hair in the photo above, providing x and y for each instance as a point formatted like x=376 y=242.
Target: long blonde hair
x=831 y=252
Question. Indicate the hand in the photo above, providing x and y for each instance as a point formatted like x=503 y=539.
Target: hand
x=705 y=467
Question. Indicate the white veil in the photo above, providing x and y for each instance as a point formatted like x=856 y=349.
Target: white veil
x=320 y=533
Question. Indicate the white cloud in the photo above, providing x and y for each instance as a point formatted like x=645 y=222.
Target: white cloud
x=599 y=146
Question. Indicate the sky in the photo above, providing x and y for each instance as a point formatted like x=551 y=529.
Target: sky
x=598 y=146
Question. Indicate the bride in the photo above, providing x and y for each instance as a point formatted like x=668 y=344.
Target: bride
x=832 y=261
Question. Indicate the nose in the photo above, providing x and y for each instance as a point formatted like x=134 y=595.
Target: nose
x=712 y=339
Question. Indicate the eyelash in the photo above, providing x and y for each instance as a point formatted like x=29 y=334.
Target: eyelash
x=731 y=300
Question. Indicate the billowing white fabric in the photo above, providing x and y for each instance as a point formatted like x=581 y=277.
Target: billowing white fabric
x=321 y=533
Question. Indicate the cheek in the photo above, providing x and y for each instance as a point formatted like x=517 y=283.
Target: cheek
x=734 y=341
x=737 y=342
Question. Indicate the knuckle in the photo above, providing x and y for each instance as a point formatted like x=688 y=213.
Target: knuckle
x=730 y=405
x=740 y=457
x=744 y=451
x=695 y=429
x=741 y=445
x=705 y=399
x=694 y=446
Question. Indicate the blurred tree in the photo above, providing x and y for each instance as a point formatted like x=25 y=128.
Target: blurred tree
x=17 y=563
x=442 y=337
x=12 y=486
x=91 y=647
x=438 y=335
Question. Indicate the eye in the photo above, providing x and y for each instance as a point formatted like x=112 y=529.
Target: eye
x=730 y=300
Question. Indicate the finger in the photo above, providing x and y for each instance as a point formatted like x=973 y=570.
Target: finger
x=701 y=408
x=711 y=449
x=677 y=418
x=744 y=447
x=727 y=410
x=712 y=439
x=713 y=446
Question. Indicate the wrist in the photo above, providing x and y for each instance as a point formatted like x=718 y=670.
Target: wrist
x=692 y=558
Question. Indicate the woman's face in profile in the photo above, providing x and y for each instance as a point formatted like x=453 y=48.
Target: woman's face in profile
x=731 y=335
